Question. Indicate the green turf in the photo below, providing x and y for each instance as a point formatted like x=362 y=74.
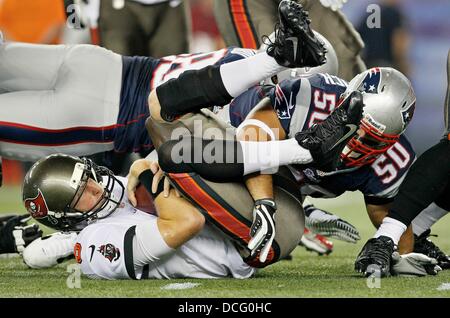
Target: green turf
x=307 y=275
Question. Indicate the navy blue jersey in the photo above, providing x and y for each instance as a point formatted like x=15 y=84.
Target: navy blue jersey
x=241 y=106
x=140 y=75
x=378 y=182
x=131 y=134
x=299 y=103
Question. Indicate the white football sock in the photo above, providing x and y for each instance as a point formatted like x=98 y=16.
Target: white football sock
x=391 y=228
x=240 y=75
x=268 y=156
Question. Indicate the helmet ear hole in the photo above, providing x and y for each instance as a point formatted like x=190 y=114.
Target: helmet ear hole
x=274 y=79
x=382 y=88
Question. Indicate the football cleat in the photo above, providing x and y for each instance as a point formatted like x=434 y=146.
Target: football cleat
x=316 y=243
x=327 y=139
x=423 y=245
x=330 y=225
x=375 y=257
x=295 y=44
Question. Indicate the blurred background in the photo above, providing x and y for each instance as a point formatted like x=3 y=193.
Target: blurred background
x=414 y=36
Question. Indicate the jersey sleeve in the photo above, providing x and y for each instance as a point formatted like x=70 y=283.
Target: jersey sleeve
x=291 y=101
x=388 y=173
x=242 y=105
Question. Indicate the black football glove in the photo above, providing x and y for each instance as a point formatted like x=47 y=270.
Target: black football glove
x=15 y=234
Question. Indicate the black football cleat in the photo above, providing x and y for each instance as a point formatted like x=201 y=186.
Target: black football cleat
x=295 y=44
x=327 y=139
x=423 y=245
x=375 y=257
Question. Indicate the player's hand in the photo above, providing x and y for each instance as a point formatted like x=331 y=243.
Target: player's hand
x=330 y=225
x=414 y=264
x=262 y=231
x=136 y=169
x=333 y=4
x=15 y=234
x=158 y=175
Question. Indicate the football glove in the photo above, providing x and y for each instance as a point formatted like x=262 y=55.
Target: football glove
x=330 y=225
x=262 y=231
x=15 y=234
x=414 y=264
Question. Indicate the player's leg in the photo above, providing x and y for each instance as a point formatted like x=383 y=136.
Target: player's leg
x=424 y=183
x=77 y=116
x=423 y=223
x=243 y=23
x=217 y=85
x=168 y=33
x=30 y=66
x=226 y=160
x=119 y=29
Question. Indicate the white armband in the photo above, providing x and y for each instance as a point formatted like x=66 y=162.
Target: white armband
x=257 y=123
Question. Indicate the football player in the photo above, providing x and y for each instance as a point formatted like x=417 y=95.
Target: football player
x=110 y=238
x=422 y=200
x=84 y=99
x=375 y=161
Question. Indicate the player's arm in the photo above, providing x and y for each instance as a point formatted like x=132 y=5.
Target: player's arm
x=377 y=213
x=261 y=124
x=178 y=220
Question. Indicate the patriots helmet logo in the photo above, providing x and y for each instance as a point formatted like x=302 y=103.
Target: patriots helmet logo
x=372 y=81
x=408 y=114
x=37 y=206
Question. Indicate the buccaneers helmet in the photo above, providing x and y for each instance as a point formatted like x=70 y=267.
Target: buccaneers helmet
x=389 y=101
x=54 y=185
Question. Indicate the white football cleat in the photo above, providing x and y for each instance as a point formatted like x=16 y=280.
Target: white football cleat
x=316 y=243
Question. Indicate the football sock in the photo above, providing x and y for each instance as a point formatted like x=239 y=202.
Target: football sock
x=391 y=228
x=238 y=76
x=227 y=160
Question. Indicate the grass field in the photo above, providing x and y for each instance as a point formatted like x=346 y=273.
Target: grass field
x=307 y=275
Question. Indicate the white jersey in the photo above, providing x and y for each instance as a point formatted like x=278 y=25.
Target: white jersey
x=104 y=250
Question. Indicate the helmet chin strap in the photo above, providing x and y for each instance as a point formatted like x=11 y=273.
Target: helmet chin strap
x=110 y=206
